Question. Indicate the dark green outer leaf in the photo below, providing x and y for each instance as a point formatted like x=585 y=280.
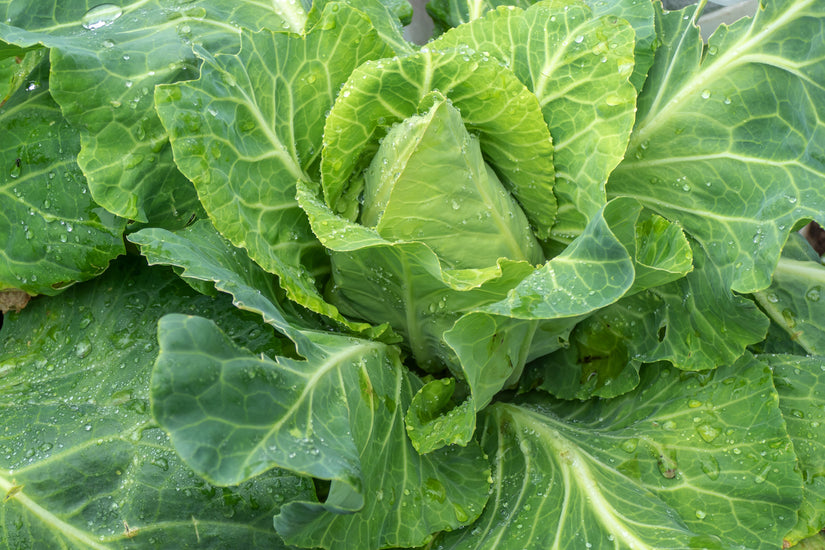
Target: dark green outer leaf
x=695 y=323
x=104 y=72
x=800 y=382
x=82 y=464
x=53 y=233
x=251 y=126
x=731 y=143
x=683 y=461
x=337 y=415
x=345 y=402
x=205 y=258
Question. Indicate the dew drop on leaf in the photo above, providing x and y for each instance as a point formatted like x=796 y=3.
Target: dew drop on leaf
x=460 y=514
x=100 y=16
x=16 y=169
x=707 y=432
x=630 y=445
x=814 y=293
x=83 y=349
x=710 y=466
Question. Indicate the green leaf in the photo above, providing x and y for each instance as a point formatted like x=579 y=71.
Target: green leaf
x=817 y=542
x=738 y=177
x=403 y=283
x=493 y=104
x=83 y=465
x=641 y=16
x=434 y=420
x=106 y=62
x=335 y=415
x=472 y=203
x=695 y=323
x=15 y=65
x=578 y=68
x=334 y=373
x=594 y=271
x=452 y=13
x=387 y=16
x=204 y=258
x=684 y=461
x=251 y=126
x=662 y=252
x=793 y=301
x=800 y=382
x=53 y=233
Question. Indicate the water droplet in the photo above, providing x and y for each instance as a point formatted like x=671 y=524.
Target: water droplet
x=790 y=318
x=814 y=293
x=707 y=432
x=612 y=100
x=667 y=466
x=710 y=466
x=460 y=514
x=83 y=349
x=694 y=403
x=16 y=169
x=629 y=445
x=712 y=50
x=434 y=490
x=700 y=514
x=579 y=39
x=100 y=16
x=705 y=94
x=108 y=43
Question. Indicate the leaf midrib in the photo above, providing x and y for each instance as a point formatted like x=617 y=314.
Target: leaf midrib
x=48 y=517
x=723 y=65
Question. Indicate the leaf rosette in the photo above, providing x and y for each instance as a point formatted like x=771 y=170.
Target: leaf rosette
x=438 y=201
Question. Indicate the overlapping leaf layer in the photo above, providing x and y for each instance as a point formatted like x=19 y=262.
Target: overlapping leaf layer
x=527 y=286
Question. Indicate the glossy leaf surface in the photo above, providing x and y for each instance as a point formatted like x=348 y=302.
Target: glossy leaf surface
x=83 y=463
x=740 y=175
x=680 y=462
x=53 y=233
x=250 y=127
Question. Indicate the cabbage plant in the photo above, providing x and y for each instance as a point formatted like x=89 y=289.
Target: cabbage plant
x=276 y=277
